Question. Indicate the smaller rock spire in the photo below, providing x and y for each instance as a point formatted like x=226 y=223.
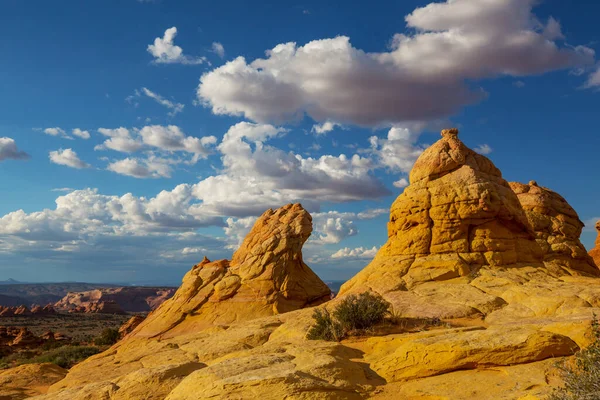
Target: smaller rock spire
x=452 y=132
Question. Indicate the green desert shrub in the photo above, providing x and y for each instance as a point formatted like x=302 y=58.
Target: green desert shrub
x=582 y=375
x=108 y=337
x=361 y=312
x=352 y=314
x=66 y=356
x=325 y=327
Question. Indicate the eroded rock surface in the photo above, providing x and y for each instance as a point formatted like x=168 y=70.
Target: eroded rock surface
x=557 y=228
x=461 y=240
x=29 y=380
x=266 y=276
x=500 y=264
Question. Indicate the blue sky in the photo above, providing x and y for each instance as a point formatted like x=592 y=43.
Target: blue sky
x=138 y=136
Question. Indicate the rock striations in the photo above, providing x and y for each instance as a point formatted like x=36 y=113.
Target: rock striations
x=266 y=276
x=460 y=236
x=500 y=263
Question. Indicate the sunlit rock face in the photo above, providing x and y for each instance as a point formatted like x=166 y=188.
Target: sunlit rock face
x=501 y=264
x=557 y=228
x=266 y=276
x=595 y=252
x=458 y=224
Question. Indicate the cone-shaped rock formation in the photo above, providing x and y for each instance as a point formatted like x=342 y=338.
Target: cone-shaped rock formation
x=266 y=276
x=459 y=219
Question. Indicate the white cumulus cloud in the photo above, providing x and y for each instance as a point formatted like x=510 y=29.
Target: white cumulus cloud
x=257 y=176
x=421 y=78
x=10 y=151
x=165 y=51
x=356 y=253
x=139 y=168
x=68 y=158
x=81 y=133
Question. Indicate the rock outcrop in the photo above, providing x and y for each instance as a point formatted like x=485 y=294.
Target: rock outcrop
x=557 y=228
x=265 y=276
x=500 y=264
x=29 y=380
x=595 y=252
x=128 y=299
x=22 y=311
x=130 y=325
x=459 y=236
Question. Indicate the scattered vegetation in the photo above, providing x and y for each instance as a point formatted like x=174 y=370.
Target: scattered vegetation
x=325 y=327
x=582 y=375
x=65 y=356
x=353 y=315
x=108 y=337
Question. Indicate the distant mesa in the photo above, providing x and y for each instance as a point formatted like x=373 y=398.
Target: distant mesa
x=115 y=300
x=10 y=281
x=23 y=311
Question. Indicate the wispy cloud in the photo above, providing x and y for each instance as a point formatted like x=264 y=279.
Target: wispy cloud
x=174 y=107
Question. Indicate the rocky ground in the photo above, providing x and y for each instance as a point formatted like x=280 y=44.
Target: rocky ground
x=497 y=265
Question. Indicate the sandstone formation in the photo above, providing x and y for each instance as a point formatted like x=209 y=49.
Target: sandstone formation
x=595 y=252
x=130 y=325
x=29 y=380
x=99 y=307
x=265 y=276
x=22 y=311
x=557 y=228
x=129 y=299
x=7 y=311
x=500 y=264
x=463 y=242
x=25 y=338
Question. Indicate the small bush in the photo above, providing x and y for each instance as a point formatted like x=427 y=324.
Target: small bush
x=361 y=312
x=325 y=327
x=65 y=356
x=108 y=337
x=582 y=376
x=354 y=313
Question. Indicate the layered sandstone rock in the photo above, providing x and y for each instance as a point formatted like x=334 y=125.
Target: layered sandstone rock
x=595 y=252
x=130 y=325
x=460 y=235
x=22 y=311
x=499 y=263
x=26 y=338
x=7 y=311
x=557 y=228
x=29 y=380
x=265 y=276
